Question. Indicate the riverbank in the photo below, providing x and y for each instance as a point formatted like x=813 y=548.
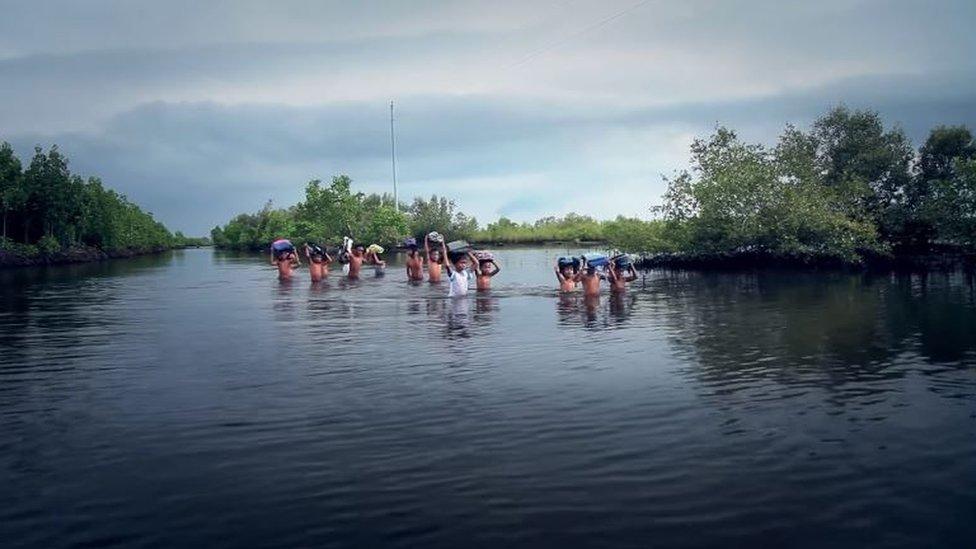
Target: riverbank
x=74 y=254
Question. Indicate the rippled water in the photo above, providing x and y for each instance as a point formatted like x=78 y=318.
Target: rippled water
x=192 y=400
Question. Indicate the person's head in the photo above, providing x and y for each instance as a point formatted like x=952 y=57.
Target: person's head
x=484 y=264
x=461 y=263
x=567 y=270
x=435 y=255
x=358 y=250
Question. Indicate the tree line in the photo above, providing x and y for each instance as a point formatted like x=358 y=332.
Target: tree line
x=846 y=190
x=45 y=209
x=330 y=212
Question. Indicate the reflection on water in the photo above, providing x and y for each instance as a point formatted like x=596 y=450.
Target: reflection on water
x=191 y=399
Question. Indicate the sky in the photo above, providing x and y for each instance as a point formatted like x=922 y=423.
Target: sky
x=199 y=110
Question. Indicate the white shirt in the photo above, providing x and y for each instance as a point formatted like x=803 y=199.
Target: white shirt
x=459 y=283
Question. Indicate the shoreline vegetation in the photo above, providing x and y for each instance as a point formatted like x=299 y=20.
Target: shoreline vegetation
x=51 y=216
x=848 y=193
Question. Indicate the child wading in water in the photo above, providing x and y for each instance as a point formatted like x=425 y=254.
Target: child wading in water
x=590 y=278
x=284 y=257
x=568 y=273
x=415 y=261
x=459 y=275
x=622 y=272
x=435 y=257
x=372 y=257
x=356 y=256
x=485 y=267
x=318 y=261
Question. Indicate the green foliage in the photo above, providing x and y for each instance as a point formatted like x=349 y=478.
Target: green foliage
x=571 y=228
x=638 y=236
x=385 y=225
x=846 y=189
x=48 y=244
x=868 y=167
x=441 y=215
x=47 y=205
x=951 y=207
x=327 y=214
x=743 y=197
x=945 y=145
x=16 y=248
x=182 y=241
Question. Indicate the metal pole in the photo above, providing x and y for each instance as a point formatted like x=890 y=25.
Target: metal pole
x=396 y=199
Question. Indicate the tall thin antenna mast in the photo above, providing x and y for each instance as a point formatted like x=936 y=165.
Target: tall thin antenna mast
x=396 y=199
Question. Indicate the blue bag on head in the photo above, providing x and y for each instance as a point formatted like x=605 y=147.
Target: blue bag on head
x=410 y=242
x=596 y=259
x=282 y=246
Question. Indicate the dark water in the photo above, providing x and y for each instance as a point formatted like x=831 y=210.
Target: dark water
x=192 y=400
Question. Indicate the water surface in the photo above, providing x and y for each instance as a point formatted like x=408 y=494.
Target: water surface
x=191 y=399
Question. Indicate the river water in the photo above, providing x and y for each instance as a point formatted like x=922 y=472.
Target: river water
x=190 y=399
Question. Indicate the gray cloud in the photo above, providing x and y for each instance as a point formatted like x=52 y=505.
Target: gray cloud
x=202 y=111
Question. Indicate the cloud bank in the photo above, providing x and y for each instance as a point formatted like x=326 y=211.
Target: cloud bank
x=199 y=112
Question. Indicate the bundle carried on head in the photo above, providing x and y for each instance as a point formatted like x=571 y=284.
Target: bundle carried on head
x=374 y=249
x=457 y=249
x=345 y=250
x=596 y=259
x=435 y=236
x=410 y=243
x=282 y=246
x=459 y=246
x=623 y=261
x=566 y=261
x=315 y=250
x=483 y=256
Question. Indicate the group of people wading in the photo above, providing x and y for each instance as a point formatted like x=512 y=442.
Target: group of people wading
x=458 y=259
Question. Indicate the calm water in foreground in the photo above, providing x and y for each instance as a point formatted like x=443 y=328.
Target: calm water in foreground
x=192 y=400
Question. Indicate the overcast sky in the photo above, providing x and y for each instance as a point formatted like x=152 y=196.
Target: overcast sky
x=200 y=110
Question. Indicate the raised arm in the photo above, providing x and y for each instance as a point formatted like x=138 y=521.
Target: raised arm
x=633 y=274
x=559 y=274
x=475 y=264
x=495 y=268
x=446 y=258
x=274 y=261
x=427 y=247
